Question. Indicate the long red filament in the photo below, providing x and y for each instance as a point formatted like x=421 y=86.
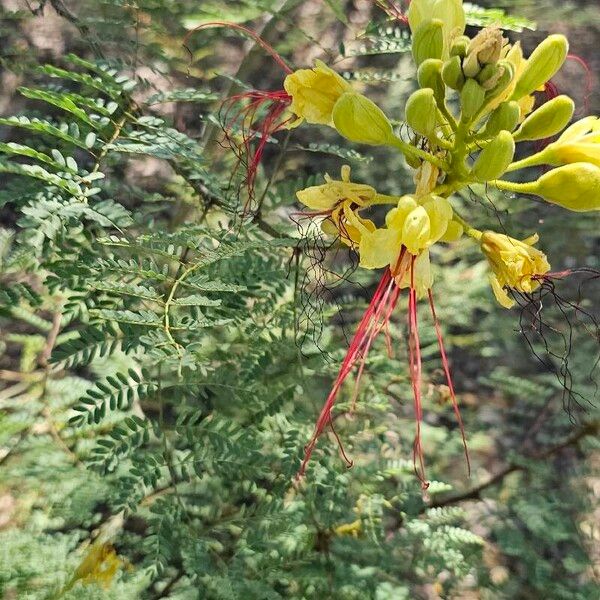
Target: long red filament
x=589 y=80
x=446 y=366
x=262 y=43
x=414 y=353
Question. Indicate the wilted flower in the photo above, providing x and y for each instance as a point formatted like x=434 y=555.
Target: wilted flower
x=515 y=264
x=339 y=201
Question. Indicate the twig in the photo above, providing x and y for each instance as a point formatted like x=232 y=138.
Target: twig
x=475 y=493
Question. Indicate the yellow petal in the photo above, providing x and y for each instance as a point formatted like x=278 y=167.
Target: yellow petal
x=416 y=230
x=440 y=215
x=379 y=248
x=453 y=232
x=501 y=294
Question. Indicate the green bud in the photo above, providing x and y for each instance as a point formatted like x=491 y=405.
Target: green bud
x=421 y=112
x=449 y=12
x=494 y=159
x=360 y=120
x=504 y=116
x=452 y=73
x=575 y=186
x=542 y=65
x=470 y=65
x=490 y=75
x=428 y=41
x=504 y=80
x=459 y=46
x=548 y=120
x=429 y=75
x=472 y=97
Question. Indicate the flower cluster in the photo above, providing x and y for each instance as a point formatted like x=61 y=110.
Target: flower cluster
x=494 y=87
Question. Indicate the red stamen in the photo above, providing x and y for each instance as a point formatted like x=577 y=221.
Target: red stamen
x=377 y=314
x=274 y=121
x=262 y=43
x=446 y=366
x=414 y=347
x=589 y=80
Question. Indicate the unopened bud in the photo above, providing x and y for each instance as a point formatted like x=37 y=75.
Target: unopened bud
x=360 y=120
x=470 y=65
x=428 y=41
x=429 y=75
x=452 y=73
x=460 y=46
x=421 y=111
x=472 y=97
x=575 y=186
x=489 y=76
x=542 y=65
x=449 y=12
x=504 y=117
x=494 y=159
x=548 y=120
x=503 y=81
x=487 y=45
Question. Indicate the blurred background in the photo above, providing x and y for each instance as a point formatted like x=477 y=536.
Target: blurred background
x=525 y=524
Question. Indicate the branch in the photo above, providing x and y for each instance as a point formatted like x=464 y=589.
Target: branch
x=475 y=493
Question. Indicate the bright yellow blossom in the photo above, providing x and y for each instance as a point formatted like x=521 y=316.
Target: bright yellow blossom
x=579 y=143
x=515 y=264
x=411 y=224
x=314 y=92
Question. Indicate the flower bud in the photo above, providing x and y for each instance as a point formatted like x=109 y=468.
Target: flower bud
x=449 y=12
x=428 y=41
x=489 y=76
x=503 y=81
x=542 y=65
x=360 y=120
x=460 y=46
x=494 y=159
x=575 y=186
x=470 y=65
x=505 y=116
x=487 y=46
x=452 y=74
x=548 y=120
x=429 y=75
x=472 y=97
x=421 y=112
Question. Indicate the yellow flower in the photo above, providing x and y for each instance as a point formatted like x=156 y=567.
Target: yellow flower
x=579 y=143
x=411 y=224
x=339 y=200
x=515 y=264
x=99 y=565
x=314 y=92
x=328 y=195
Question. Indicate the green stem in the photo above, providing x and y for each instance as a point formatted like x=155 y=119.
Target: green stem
x=470 y=231
x=529 y=161
x=511 y=186
x=409 y=150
